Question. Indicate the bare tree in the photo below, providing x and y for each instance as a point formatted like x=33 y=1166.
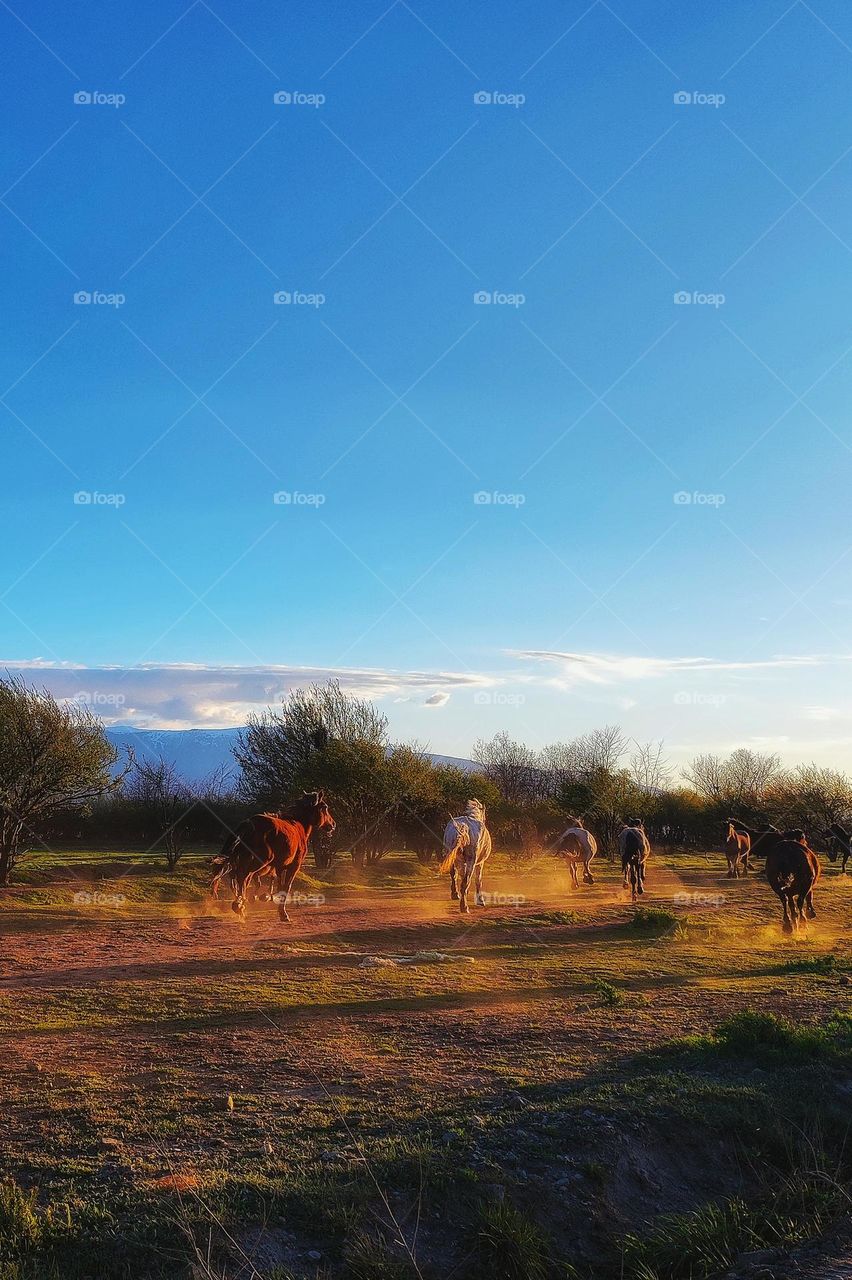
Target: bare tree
x=649 y=768
x=160 y=792
x=741 y=781
x=513 y=768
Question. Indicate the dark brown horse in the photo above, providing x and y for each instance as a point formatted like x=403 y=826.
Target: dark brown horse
x=737 y=850
x=839 y=844
x=792 y=869
x=267 y=845
x=634 y=848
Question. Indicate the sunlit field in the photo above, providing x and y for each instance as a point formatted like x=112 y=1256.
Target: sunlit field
x=557 y=1085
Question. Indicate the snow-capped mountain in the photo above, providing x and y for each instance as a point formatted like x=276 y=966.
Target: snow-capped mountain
x=198 y=753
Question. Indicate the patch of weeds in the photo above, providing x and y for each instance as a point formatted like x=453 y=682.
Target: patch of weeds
x=692 y=1246
x=538 y=920
x=510 y=1246
x=609 y=994
x=654 y=921
x=813 y=964
x=20 y=1227
x=776 y=1040
x=371 y=1257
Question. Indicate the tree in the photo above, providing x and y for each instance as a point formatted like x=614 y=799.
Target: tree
x=283 y=751
x=54 y=757
x=812 y=797
x=157 y=789
x=737 y=786
x=513 y=768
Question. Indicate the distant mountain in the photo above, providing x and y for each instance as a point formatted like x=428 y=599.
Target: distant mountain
x=197 y=753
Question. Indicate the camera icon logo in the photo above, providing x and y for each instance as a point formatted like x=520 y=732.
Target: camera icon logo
x=682 y=298
x=482 y=98
x=82 y=98
x=482 y=298
x=82 y=498
x=482 y=498
x=682 y=498
x=282 y=98
x=82 y=298
x=282 y=298
x=682 y=98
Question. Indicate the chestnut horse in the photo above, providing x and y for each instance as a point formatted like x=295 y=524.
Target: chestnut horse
x=266 y=845
x=737 y=850
x=792 y=869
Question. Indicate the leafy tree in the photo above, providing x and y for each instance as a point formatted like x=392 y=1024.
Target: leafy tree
x=54 y=757
x=283 y=751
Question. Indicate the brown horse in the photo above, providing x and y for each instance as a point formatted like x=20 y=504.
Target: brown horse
x=839 y=845
x=634 y=848
x=737 y=850
x=578 y=847
x=792 y=869
x=268 y=844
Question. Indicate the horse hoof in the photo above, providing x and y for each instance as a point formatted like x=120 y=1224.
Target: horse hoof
x=480 y=902
x=282 y=916
x=464 y=909
x=787 y=927
x=811 y=913
x=454 y=897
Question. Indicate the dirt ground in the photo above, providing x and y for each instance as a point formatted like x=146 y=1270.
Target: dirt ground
x=150 y=1044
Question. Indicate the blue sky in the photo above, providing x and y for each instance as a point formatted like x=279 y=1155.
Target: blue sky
x=382 y=198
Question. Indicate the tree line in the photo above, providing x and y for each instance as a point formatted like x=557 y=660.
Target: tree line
x=61 y=780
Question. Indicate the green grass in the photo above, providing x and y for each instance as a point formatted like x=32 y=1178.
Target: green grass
x=770 y=1038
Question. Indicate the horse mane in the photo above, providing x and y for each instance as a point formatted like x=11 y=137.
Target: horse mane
x=475 y=809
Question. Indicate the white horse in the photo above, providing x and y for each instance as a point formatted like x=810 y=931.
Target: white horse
x=577 y=845
x=467 y=844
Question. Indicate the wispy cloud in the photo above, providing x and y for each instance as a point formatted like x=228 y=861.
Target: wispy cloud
x=605 y=668
x=195 y=695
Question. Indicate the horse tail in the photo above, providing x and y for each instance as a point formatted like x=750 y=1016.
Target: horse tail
x=449 y=860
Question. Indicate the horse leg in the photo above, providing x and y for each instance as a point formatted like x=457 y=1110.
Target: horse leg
x=463 y=887
x=809 y=903
x=239 y=890
x=479 y=899
x=788 y=925
x=640 y=877
x=454 y=893
x=572 y=866
x=588 y=878
x=284 y=881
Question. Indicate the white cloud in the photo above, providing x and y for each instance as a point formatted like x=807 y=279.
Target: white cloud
x=605 y=668
x=195 y=695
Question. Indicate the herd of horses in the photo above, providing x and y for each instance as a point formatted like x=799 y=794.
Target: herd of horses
x=266 y=852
